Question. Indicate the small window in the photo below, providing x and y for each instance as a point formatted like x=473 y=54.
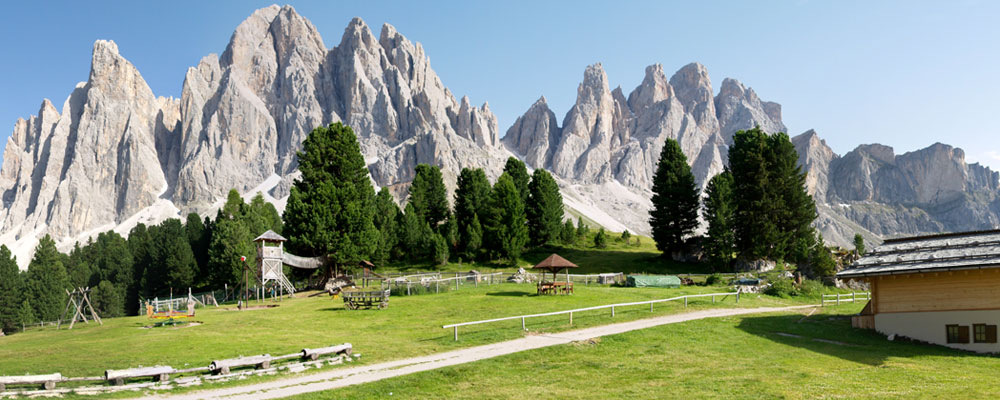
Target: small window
x=982 y=333
x=957 y=333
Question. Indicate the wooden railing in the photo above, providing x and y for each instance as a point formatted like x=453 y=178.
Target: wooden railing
x=844 y=298
x=524 y=318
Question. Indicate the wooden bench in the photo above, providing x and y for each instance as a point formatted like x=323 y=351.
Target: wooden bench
x=366 y=299
x=48 y=382
x=563 y=287
x=314 y=354
x=159 y=373
x=223 y=366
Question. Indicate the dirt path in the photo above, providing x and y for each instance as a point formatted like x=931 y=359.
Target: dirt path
x=342 y=377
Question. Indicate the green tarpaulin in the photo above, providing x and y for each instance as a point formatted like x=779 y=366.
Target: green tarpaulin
x=665 y=281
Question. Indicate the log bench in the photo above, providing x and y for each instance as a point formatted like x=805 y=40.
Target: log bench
x=223 y=366
x=48 y=382
x=314 y=354
x=159 y=373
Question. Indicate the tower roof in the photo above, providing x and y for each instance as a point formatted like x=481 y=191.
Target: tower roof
x=270 y=236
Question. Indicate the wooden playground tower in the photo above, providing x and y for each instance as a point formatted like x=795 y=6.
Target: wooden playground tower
x=270 y=257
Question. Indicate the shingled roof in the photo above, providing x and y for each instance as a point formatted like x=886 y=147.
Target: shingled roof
x=271 y=237
x=945 y=252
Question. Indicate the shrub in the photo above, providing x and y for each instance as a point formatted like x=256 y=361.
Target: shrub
x=601 y=240
x=782 y=287
x=811 y=288
x=715 y=279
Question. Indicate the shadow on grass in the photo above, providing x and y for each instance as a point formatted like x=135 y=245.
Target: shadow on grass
x=336 y=309
x=833 y=335
x=510 y=294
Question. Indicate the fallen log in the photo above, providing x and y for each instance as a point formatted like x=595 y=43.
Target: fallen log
x=159 y=373
x=223 y=366
x=48 y=381
x=314 y=354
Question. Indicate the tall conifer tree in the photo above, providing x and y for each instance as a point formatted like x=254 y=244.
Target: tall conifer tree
x=10 y=291
x=429 y=196
x=47 y=281
x=719 y=211
x=330 y=208
x=507 y=226
x=675 y=199
x=518 y=172
x=544 y=208
x=471 y=202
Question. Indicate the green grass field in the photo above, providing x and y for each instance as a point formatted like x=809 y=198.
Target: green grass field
x=768 y=356
x=410 y=326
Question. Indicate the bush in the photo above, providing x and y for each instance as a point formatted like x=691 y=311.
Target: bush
x=811 y=288
x=715 y=279
x=782 y=287
x=601 y=240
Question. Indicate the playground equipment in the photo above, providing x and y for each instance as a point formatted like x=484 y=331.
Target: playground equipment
x=170 y=316
x=271 y=256
x=366 y=299
x=77 y=299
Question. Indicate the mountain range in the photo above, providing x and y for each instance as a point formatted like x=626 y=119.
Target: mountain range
x=115 y=155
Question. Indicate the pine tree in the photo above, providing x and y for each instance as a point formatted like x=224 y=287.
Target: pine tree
x=581 y=228
x=675 y=199
x=330 y=208
x=429 y=196
x=519 y=173
x=138 y=246
x=107 y=300
x=473 y=238
x=199 y=237
x=471 y=202
x=719 y=211
x=385 y=220
x=507 y=226
x=440 y=245
x=773 y=209
x=231 y=239
x=626 y=236
x=568 y=234
x=10 y=291
x=859 y=244
x=544 y=208
x=793 y=208
x=416 y=239
x=26 y=313
x=173 y=265
x=756 y=231
x=601 y=239
x=47 y=281
x=823 y=264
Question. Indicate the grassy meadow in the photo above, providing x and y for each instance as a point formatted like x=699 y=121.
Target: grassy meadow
x=768 y=356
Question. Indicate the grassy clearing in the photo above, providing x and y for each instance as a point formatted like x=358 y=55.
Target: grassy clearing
x=411 y=326
x=731 y=357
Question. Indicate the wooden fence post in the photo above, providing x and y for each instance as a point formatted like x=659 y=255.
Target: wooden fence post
x=571 y=318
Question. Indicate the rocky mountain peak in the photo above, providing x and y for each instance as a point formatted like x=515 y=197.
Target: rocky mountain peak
x=653 y=89
x=738 y=108
x=694 y=91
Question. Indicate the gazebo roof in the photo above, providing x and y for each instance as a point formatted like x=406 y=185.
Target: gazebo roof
x=270 y=236
x=554 y=262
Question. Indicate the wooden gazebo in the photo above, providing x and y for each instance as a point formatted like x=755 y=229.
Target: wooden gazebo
x=555 y=264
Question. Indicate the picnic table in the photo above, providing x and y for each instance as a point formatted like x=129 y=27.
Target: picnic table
x=555 y=287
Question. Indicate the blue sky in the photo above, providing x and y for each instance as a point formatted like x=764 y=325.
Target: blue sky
x=906 y=74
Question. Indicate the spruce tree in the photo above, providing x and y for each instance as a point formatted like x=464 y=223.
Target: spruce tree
x=507 y=224
x=10 y=291
x=47 y=281
x=544 y=208
x=581 y=228
x=601 y=239
x=756 y=230
x=859 y=244
x=773 y=209
x=429 y=196
x=108 y=300
x=675 y=199
x=471 y=201
x=330 y=208
x=231 y=239
x=519 y=173
x=626 y=236
x=473 y=239
x=385 y=220
x=568 y=234
x=793 y=209
x=719 y=211
x=138 y=246
x=26 y=313
x=199 y=237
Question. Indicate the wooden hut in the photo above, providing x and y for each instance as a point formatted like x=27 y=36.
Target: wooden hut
x=942 y=289
x=555 y=264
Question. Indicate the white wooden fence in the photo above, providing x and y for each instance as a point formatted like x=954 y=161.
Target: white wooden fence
x=844 y=297
x=523 y=318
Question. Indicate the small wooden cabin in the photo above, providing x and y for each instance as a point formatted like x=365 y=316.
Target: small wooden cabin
x=942 y=289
